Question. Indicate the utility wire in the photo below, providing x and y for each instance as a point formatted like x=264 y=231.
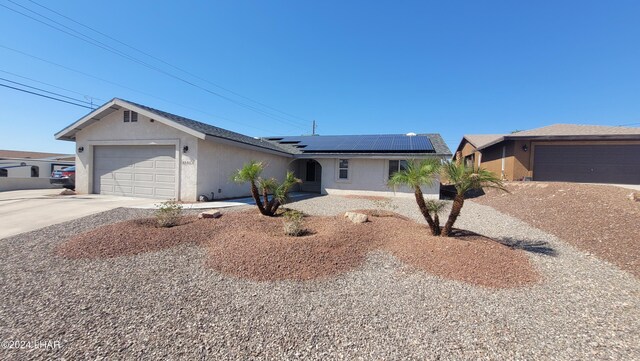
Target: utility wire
x=51 y=85
x=43 y=90
x=108 y=48
x=129 y=88
x=46 y=96
x=165 y=62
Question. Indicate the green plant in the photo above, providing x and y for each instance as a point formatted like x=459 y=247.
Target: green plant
x=261 y=188
x=464 y=179
x=293 y=223
x=417 y=174
x=168 y=213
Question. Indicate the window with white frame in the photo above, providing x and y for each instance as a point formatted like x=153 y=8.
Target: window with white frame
x=130 y=116
x=395 y=166
x=343 y=168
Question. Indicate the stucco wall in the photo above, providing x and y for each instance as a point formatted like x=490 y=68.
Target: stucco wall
x=367 y=177
x=111 y=130
x=218 y=161
x=491 y=159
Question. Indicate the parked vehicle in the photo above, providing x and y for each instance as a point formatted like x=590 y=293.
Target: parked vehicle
x=65 y=176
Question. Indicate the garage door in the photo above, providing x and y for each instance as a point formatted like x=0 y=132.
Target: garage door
x=587 y=163
x=137 y=171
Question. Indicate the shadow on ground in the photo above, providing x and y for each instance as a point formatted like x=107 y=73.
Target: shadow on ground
x=538 y=247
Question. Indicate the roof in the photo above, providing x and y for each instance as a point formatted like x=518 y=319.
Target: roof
x=19 y=154
x=418 y=145
x=193 y=127
x=577 y=130
x=480 y=140
x=380 y=143
x=557 y=131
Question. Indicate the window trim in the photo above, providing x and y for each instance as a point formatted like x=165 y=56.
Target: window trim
x=129 y=116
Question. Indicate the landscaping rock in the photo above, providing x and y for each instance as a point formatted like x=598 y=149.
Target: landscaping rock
x=356 y=217
x=210 y=214
x=67 y=192
x=635 y=196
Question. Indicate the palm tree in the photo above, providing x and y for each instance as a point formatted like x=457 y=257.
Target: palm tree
x=417 y=174
x=251 y=172
x=464 y=179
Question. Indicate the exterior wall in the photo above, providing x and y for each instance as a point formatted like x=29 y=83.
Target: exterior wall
x=218 y=161
x=521 y=161
x=366 y=177
x=111 y=130
x=492 y=160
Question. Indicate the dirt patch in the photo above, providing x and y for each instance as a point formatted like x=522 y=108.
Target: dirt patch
x=249 y=245
x=133 y=237
x=599 y=219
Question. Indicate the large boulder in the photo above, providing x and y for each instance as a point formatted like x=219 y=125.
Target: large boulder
x=356 y=217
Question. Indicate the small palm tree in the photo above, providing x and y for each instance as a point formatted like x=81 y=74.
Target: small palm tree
x=251 y=173
x=464 y=179
x=417 y=174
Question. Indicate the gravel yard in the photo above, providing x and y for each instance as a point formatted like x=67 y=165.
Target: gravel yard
x=599 y=219
x=165 y=304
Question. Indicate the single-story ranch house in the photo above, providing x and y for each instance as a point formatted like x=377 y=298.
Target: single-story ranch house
x=128 y=149
x=559 y=152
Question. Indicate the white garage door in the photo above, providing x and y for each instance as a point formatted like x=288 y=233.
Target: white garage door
x=137 y=171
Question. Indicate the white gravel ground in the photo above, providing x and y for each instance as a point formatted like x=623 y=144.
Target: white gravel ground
x=167 y=305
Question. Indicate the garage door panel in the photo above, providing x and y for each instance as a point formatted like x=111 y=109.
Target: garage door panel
x=143 y=171
x=588 y=163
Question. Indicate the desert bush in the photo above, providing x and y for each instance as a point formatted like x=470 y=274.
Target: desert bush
x=168 y=213
x=383 y=205
x=293 y=223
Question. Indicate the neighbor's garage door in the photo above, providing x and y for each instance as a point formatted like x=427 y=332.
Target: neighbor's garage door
x=587 y=163
x=138 y=171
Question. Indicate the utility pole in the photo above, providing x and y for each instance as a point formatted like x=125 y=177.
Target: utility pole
x=313 y=130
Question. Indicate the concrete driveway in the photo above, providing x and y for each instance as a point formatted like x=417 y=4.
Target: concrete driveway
x=27 y=210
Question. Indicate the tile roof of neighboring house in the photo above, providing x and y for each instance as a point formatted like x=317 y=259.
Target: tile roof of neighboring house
x=576 y=130
x=480 y=140
x=216 y=131
x=19 y=154
x=561 y=131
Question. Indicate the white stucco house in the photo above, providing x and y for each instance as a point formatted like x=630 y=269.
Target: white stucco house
x=124 y=148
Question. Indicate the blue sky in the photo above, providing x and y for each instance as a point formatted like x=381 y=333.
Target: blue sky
x=357 y=67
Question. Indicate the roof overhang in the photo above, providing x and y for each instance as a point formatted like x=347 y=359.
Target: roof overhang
x=69 y=133
x=371 y=155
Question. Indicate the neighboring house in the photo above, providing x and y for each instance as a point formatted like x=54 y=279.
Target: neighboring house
x=124 y=148
x=559 y=152
x=30 y=170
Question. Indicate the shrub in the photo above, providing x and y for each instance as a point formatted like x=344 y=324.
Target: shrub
x=293 y=223
x=168 y=213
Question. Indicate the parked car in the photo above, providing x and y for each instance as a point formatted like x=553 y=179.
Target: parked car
x=65 y=176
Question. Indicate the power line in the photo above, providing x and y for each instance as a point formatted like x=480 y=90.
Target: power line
x=48 y=84
x=110 y=49
x=43 y=90
x=45 y=96
x=164 y=62
x=129 y=88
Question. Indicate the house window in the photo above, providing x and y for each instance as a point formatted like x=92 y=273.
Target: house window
x=343 y=168
x=396 y=165
x=311 y=171
x=35 y=171
x=130 y=116
x=4 y=172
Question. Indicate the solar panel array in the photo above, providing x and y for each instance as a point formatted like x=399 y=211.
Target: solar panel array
x=387 y=143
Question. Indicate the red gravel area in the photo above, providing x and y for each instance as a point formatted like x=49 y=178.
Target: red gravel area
x=133 y=237
x=248 y=245
x=596 y=218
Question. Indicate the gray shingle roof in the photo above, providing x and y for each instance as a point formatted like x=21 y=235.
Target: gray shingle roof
x=577 y=130
x=215 y=131
x=480 y=140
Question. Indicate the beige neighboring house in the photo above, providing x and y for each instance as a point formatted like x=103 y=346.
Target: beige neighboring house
x=30 y=170
x=125 y=148
x=559 y=152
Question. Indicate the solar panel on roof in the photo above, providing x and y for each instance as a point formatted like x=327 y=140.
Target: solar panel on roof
x=389 y=143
